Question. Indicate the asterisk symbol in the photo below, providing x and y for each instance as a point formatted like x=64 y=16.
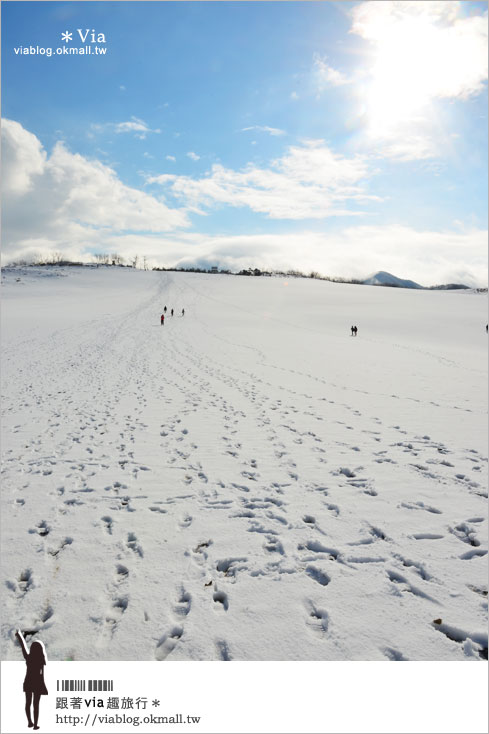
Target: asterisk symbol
x=156 y=702
x=66 y=36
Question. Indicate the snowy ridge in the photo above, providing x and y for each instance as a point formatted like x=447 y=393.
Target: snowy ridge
x=383 y=278
x=248 y=481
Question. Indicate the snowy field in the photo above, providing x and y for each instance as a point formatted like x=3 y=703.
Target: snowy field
x=247 y=482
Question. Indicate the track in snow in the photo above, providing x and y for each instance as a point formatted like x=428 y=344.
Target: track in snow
x=186 y=492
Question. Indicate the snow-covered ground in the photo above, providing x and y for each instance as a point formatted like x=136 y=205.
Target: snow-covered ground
x=249 y=481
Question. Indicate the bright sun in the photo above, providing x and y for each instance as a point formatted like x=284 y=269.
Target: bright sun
x=415 y=61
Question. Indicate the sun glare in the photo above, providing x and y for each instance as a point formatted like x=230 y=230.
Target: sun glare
x=414 y=62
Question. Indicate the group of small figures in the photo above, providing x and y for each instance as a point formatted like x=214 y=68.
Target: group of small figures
x=354 y=330
x=171 y=314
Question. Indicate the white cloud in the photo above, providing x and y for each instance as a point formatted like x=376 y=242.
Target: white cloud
x=122 y=88
x=404 y=144
x=265 y=129
x=294 y=95
x=193 y=156
x=66 y=198
x=22 y=158
x=428 y=257
x=421 y=53
x=134 y=125
x=171 y=158
x=326 y=76
x=309 y=181
x=67 y=203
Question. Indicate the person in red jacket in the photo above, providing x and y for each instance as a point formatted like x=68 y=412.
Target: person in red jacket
x=162 y=319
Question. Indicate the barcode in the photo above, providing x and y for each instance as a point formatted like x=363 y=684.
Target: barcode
x=85 y=685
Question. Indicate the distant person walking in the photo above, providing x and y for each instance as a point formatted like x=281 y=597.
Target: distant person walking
x=352 y=330
x=355 y=329
x=164 y=310
x=34 y=686
x=183 y=312
x=172 y=312
x=162 y=319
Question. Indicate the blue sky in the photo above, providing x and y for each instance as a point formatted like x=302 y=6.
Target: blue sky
x=341 y=137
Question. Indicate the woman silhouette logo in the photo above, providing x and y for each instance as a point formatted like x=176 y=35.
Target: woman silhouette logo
x=34 y=686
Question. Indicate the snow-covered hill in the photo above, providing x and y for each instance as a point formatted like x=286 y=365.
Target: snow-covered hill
x=248 y=481
x=383 y=278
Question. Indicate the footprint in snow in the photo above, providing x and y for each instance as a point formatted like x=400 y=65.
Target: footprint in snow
x=317 y=575
x=250 y=475
x=23 y=584
x=273 y=545
x=400 y=585
x=108 y=523
x=465 y=533
x=168 y=642
x=420 y=506
x=66 y=542
x=472 y=554
x=392 y=654
x=114 y=615
x=132 y=544
x=221 y=600
x=230 y=566
x=42 y=529
x=317 y=619
x=122 y=573
x=155 y=508
x=182 y=606
x=223 y=650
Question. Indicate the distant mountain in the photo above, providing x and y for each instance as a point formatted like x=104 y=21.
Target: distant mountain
x=383 y=278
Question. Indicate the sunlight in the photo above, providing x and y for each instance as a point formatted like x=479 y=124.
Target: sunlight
x=415 y=61
x=408 y=69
